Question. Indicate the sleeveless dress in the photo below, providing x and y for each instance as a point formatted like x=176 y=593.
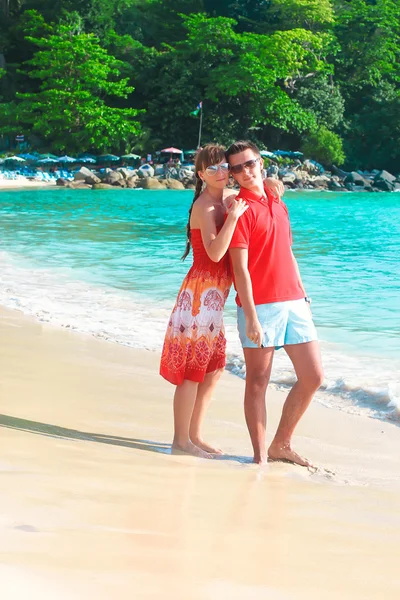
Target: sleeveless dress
x=195 y=341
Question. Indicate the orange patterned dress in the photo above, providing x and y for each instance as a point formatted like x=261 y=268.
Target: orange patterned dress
x=195 y=340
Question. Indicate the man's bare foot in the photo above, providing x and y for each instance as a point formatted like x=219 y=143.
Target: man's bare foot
x=206 y=447
x=284 y=453
x=189 y=448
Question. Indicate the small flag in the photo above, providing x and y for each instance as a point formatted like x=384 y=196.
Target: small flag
x=194 y=113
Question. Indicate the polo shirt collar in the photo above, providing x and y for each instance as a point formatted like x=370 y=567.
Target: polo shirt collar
x=256 y=197
x=252 y=196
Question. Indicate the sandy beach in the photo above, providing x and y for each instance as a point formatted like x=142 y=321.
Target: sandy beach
x=24 y=184
x=94 y=506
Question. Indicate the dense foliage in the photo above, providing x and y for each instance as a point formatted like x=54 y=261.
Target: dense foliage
x=116 y=75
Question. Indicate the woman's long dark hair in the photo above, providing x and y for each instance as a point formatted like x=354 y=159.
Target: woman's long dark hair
x=212 y=154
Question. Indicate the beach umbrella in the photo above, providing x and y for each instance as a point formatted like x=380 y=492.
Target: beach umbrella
x=67 y=159
x=172 y=150
x=86 y=155
x=107 y=158
x=15 y=158
x=47 y=161
x=48 y=155
x=266 y=153
x=131 y=156
x=28 y=156
x=86 y=159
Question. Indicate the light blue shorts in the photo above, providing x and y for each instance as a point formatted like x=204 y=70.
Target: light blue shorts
x=283 y=323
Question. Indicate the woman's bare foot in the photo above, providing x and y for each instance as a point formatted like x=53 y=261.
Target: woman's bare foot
x=189 y=448
x=206 y=447
x=284 y=453
x=260 y=460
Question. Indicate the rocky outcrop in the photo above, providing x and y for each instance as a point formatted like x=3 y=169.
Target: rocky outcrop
x=113 y=178
x=102 y=186
x=77 y=185
x=174 y=184
x=151 y=183
x=87 y=176
x=384 y=181
x=145 y=171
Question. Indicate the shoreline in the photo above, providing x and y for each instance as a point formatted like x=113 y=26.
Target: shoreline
x=24 y=184
x=293 y=178
x=93 y=504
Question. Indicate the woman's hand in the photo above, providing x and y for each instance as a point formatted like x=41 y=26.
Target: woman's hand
x=275 y=186
x=237 y=208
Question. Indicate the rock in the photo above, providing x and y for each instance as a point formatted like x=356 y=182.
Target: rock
x=383 y=185
x=113 y=178
x=174 y=184
x=190 y=186
x=151 y=183
x=320 y=182
x=80 y=185
x=385 y=175
x=356 y=179
x=384 y=181
x=335 y=185
x=289 y=177
x=102 y=186
x=61 y=182
x=126 y=173
x=84 y=174
x=132 y=182
x=145 y=171
x=396 y=187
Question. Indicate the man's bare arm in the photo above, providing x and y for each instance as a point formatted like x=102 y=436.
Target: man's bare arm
x=239 y=257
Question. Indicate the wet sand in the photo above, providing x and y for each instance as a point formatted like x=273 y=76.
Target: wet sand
x=94 y=506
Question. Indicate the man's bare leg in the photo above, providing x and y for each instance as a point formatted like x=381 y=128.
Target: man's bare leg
x=258 y=372
x=203 y=398
x=306 y=359
x=184 y=400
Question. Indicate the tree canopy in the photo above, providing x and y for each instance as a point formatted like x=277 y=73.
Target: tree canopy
x=114 y=74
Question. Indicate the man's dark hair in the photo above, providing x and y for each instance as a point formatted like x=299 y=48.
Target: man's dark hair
x=241 y=146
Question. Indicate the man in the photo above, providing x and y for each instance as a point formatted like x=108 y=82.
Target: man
x=273 y=308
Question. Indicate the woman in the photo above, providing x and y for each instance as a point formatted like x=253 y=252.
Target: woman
x=193 y=355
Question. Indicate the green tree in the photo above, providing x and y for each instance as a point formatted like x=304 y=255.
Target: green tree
x=368 y=68
x=246 y=80
x=72 y=110
x=309 y=14
x=324 y=146
x=324 y=99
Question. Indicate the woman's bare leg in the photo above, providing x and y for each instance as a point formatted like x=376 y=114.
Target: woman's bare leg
x=203 y=398
x=184 y=401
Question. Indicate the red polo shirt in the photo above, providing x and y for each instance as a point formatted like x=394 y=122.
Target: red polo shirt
x=264 y=229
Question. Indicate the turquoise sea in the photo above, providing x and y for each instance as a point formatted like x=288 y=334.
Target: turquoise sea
x=108 y=263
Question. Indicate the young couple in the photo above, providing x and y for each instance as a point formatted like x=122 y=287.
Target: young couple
x=247 y=238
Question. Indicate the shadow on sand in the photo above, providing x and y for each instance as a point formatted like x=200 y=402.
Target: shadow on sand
x=55 y=431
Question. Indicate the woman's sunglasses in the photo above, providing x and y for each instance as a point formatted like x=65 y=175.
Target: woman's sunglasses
x=212 y=170
x=249 y=164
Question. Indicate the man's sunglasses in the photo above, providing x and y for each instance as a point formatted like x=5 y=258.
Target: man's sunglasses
x=212 y=170
x=249 y=164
